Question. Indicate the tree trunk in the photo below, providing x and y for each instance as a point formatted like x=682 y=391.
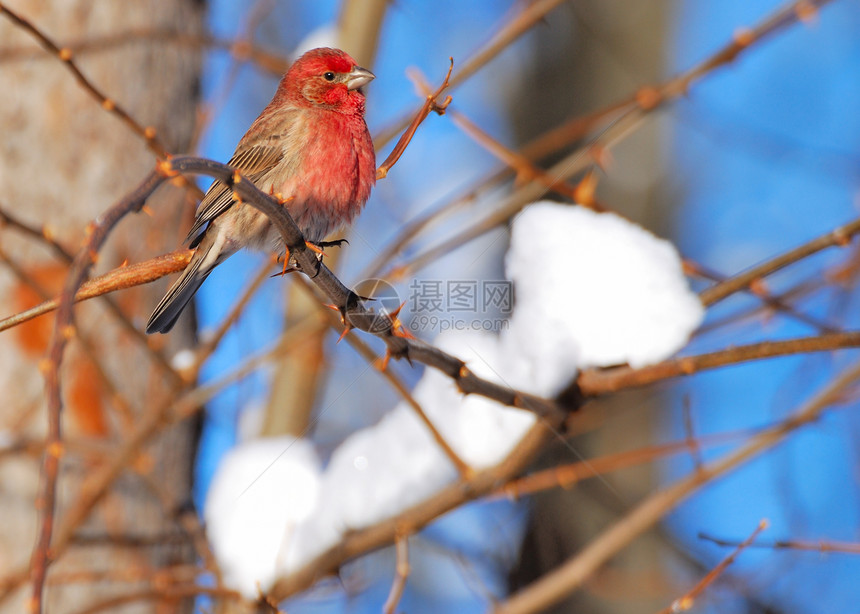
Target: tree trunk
x=63 y=160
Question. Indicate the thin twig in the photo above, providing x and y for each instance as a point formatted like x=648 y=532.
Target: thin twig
x=777 y=303
x=801 y=289
x=65 y=55
x=531 y=14
x=241 y=49
x=524 y=168
x=189 y=521
x=430 y=104
x=402 y=573
x=693 y=444
x=821 y=546
x=45 y=235
x=682 y=604
x=566 y=476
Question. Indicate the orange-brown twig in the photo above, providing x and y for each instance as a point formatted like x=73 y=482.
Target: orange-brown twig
x=65 y=55
x=528 y=16
x=64 y=330
x=781 y=303
x=402 y=573
x=565 y=476
x=241 y=49
x=430 y=104
x=595 y=382
x=524 y=168
x=682 y=604
x=117 y=279
x=838 y=237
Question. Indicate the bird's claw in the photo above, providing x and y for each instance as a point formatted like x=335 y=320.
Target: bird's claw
x=333 y=243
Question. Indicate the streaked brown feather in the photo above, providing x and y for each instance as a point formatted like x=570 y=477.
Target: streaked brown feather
x=253 y=162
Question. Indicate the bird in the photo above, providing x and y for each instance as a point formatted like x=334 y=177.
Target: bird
x=310 y=146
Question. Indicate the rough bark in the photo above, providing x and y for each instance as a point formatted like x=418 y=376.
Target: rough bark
x=63 y=159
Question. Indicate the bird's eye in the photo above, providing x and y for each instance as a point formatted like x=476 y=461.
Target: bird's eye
x=329 y=76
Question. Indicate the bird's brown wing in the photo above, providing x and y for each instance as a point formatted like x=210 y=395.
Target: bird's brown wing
x=253 y=162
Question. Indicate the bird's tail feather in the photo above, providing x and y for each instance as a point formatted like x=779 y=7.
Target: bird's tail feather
x=180 y=293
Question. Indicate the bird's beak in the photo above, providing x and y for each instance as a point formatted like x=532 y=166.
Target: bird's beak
x=358 y=77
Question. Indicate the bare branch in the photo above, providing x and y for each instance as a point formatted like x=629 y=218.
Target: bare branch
x=430 y=104
x=117 y=279
x=65 y=55
x=641 y=105
x=687 y=601
x=594 y=382
x=571 y=574
x=402 y=573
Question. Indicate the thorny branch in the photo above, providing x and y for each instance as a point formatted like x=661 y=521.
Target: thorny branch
x=354 y=313
x=370 y=356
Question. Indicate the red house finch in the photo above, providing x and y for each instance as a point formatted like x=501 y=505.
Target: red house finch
x=310 y=145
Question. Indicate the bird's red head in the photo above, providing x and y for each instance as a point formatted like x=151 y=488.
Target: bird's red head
x=327 y=78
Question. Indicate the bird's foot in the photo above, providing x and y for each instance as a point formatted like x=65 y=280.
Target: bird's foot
x=321 y=245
